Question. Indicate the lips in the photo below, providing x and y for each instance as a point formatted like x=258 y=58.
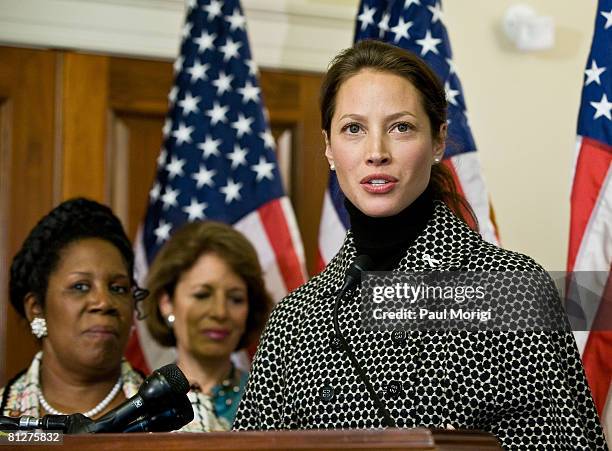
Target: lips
x=101 y=332
x=216 y=334
x=378 y=183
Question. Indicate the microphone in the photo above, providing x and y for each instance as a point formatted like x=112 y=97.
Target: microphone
x=163 y=388
x=351 y=279
x=64 y=423
x=170 y=420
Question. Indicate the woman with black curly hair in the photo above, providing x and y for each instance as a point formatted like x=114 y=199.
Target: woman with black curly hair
x=73 y=281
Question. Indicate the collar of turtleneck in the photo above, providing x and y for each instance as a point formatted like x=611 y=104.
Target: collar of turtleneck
x=385 y=240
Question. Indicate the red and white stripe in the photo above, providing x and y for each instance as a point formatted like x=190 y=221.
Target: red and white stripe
x=590 y=250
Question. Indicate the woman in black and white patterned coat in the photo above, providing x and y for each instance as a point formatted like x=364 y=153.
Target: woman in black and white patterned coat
x=384 y=121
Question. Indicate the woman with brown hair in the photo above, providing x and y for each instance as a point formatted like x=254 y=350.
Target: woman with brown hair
x=383 y=114
x=208 y=299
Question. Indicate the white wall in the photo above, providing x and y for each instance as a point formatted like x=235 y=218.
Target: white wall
x=523 y=110
x=522 y=106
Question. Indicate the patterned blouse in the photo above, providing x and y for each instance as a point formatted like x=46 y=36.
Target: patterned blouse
x=20 y=395
x=221 y=407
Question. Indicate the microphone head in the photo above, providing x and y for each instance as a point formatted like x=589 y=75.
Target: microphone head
x=353 y=273
x=361 y=263
x=175 y=377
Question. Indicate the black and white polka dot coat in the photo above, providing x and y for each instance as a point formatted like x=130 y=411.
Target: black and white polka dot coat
x=527 y=388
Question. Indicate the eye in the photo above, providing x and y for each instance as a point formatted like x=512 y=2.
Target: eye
x=80 y=286
x=202 y=295
x=237 y=299
x=402 y=127
x=120 y=289
x=352 y=128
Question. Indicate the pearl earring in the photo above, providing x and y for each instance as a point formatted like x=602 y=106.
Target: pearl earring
x=436 y=160
x=39 y=327
x=332 y=167
x=170 y=320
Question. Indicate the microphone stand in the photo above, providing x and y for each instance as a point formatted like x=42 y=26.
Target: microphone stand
x=349 y=281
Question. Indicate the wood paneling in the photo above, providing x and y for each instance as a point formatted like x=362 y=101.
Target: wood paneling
x=84 y=107
x=27 y=160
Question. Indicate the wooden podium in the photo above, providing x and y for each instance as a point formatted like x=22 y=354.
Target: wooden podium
x=308 y=440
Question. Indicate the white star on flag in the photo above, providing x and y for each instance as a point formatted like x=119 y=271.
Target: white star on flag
x=175 y=167
x=213 y=10
x=223 y=83
x=178 y=64
x=230 y=49
x=249 y=92
x=242 y=125
x=167 y=127
x=238 y=156
x=169 y=198
x=401 y=30
x=183 y=134
x=366 y=17
x=428 y=43
x=189 y=104
x=602 y=108
x=451 y=65
x=608 y=16
x=161 y=158
x=195 y=210
x=172 y=95
x=450 y=93
x=205 y=41
x=217 y=113
x=436 y=12
x=198 y=71
x=231 y=191
x=154 y=193
x=268 y=139
x=383 y=25
x=204 y=177
x=236 y=20
x=263 y=169
x=593 y=74
x=162 y=232
x=252 y=67
x=187 y=29
x=411 y=2
x=210 y=146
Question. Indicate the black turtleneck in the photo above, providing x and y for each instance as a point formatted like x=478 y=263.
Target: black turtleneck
x=386 y=239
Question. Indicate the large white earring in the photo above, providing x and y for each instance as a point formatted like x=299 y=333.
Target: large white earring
x=332 y=167
x=39 y=327
x=437 y=160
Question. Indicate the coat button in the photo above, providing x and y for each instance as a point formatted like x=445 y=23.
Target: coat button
x=398 y=336
x=334 y=342
x=394 y=390
x=326 y=394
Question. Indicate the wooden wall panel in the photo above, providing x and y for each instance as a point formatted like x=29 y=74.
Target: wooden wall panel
x=83 y=132
x=27 y=161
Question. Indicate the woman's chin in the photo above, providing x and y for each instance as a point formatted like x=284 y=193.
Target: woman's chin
x=378 y=209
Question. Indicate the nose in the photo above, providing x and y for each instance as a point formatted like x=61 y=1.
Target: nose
x=219 y=307
x=378 y=152
x=101 y=300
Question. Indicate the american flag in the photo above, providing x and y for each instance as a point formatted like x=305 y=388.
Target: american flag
x=417 y=26
x=218 y=157
x=590 y=242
